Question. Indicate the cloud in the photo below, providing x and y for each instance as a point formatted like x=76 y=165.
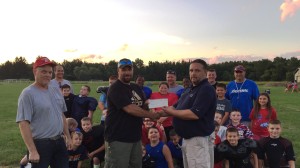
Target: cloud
x=71 y=50
x=124 y=47
x=90 y=57
x=247 y=57
x=226 y=58
x=288 y=8
x=291 y=54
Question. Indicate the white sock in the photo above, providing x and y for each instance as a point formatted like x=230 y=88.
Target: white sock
x=97 y=166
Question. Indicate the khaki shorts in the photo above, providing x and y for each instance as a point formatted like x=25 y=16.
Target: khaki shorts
x=123 y=155
x=197 y=152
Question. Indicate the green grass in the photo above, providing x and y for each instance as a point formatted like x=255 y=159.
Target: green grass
x=13 y=148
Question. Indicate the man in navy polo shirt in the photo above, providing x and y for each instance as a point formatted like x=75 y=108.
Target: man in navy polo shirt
x=194 y=118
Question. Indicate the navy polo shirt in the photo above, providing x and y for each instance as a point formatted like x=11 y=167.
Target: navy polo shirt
x=201 y=100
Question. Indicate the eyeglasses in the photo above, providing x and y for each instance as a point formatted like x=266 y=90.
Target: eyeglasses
x=171 y=72
x=238 y=71
x=124 y=62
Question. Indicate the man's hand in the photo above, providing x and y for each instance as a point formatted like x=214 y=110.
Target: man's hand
x=154 y=116
x=91 y=155
x=68 y=143
x=168 y=110
x=34 y=157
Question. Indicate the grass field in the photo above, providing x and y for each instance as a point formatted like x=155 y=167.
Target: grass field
x=12 y=147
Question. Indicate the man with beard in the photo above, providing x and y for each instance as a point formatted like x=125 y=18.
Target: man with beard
x=194 y=118
x=123 y=124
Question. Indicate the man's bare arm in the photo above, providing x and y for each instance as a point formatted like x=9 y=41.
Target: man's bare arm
x=135 y=110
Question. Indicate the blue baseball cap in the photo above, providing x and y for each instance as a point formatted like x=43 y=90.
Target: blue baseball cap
x=125 y=62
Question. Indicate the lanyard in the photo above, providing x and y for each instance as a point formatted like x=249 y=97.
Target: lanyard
x=239 y=89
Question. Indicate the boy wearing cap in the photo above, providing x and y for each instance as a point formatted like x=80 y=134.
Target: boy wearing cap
x=123 y=124
x=242 y=92
x=41 y=119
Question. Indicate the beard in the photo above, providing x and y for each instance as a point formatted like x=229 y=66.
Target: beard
x=126 y=78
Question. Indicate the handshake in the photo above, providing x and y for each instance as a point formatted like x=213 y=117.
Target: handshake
x=155 y=115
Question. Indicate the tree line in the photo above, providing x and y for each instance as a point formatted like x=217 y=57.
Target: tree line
x=280 y=69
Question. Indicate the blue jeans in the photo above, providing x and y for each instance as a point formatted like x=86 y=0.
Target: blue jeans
x=52 y=152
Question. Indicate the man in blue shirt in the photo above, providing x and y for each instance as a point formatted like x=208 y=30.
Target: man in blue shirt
x=194 y=118
x=242 y=92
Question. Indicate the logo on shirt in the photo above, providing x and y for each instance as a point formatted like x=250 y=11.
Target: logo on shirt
x=136 y=99
x=220 y=107
x=274 y=144
x=240 y=91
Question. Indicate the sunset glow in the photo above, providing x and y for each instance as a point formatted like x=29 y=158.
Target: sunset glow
x=100 y=30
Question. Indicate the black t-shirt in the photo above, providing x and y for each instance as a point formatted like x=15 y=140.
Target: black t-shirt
x=78 y=155
x=69 y=102
x=119 y=125
x=201 y=100
x=238 y=156
x=93 y=139
x=215 y=85
x=276 y=152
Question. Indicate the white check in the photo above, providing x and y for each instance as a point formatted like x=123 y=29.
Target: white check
x=155 y=103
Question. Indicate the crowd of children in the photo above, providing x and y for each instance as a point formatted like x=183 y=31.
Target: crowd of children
x=259 y=146
x=236 y=144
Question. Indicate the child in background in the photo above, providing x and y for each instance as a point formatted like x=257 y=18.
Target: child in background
x=175 y=147
x=147 y=161
x=158 y=150
x=72 y=125
x=238 y=152
x=243 y=130
x=83 y=105
x=223 y=104
x=275 y=151
x=261 y=114
x=93 y=140
x=222 y=129
x=218 y=161
x=78 y=152
x=148 y=123
x=24 y=162
x=163 y=93
x=102 y=103
x=69 y=97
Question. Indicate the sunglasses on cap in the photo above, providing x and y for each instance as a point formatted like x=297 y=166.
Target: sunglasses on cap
x=124 y=62
x=171 y=72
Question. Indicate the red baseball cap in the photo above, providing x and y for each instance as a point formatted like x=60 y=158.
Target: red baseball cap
x=42 y=61
x=239 y=68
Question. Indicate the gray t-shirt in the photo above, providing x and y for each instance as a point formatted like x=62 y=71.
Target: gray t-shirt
x=55 y=83
x=223 y=106
x=175 y=89
x=43 y=109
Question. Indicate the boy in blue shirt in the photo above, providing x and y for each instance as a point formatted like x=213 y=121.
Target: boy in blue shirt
x=175 y=147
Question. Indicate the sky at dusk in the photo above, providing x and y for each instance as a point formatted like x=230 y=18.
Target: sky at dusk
x=152 y=30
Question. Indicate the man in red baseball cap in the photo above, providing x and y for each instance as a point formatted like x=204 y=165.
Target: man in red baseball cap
x=42 y=61
x=41 y=119
x=242 y=92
